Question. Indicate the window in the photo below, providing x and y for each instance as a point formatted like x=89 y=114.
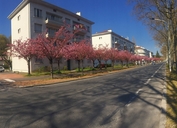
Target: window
x=100 y=37
x=18 y=18
x=37 y=12
x=38 y=28
x=88 y=37
x=78 y=38
x=88 y=29
x=51 y=31
x=112 y=38
x=67 y=21
x=19 y=30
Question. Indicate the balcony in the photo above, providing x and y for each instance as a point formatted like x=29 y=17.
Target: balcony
x=80 y=29
x=48 y=35
x=53 y=23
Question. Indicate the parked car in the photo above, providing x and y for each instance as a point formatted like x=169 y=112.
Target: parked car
x=1 y=69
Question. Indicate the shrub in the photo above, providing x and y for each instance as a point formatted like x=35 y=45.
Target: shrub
x=42 y=69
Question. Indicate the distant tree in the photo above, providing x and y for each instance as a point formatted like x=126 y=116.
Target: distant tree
x=4 y=41
x=157 y=55
x=23 y=49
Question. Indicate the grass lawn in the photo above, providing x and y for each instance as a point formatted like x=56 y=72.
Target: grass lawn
x=171 y=100
x=66 y=75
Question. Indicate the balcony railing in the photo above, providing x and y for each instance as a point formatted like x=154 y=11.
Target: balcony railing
x=49 y=35
x=53 y=23
x=80 y=29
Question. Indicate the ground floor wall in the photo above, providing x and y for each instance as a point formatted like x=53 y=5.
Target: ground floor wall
x=36 y=64
x=19 y=65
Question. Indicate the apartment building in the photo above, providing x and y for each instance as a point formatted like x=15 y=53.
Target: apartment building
x=32 y=17
x=141 y=51
x=113 y=40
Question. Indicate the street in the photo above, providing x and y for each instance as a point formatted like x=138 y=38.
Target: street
x=126 y=99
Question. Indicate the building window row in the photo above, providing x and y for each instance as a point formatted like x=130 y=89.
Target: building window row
x=54 y=17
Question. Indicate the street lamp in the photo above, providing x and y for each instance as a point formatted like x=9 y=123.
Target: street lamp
x=169 y=39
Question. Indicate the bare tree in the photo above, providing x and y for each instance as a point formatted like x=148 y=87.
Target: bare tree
x=161 y=18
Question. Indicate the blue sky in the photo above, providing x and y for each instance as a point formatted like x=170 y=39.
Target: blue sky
x=106 y=14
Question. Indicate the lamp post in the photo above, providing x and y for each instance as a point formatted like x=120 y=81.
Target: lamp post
x=168 y=40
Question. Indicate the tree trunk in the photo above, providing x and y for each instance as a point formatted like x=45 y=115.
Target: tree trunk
x=175 y=44
x=51 y=68
x=127 y=64
x=100 y=66
x=82 y=65
x=58 y=65
x=113 y=65
x=79 y=65
x=93 y=63
x=106 y=64
x=28 y=63
x=122 y=63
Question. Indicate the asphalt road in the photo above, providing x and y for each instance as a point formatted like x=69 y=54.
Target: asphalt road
x=128 y=99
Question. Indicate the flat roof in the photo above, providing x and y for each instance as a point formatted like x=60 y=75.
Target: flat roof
x=46 y=4
x=110 y=32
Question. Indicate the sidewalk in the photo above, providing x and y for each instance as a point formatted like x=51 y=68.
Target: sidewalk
x=10 y=75
x=25 y=81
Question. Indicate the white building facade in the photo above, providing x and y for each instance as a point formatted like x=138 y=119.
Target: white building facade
x=113 y=40
x=32 y=17
x=141 y=51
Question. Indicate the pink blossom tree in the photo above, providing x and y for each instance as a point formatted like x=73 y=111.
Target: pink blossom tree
x=125 y=56
x=99 y=54
x=23 y=49
x=113 y=55
x=92 y=55
x=59 y=58
x=79 y=51
x=106 y=56
x=51 y=48
x=121 y=57
x=135 y=58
